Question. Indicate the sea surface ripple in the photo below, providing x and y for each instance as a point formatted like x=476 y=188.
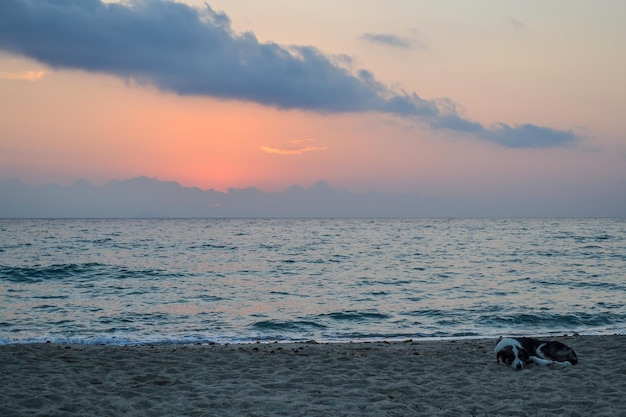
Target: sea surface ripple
x=140 y=281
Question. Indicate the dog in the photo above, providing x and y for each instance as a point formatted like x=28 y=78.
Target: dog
x=520 y=351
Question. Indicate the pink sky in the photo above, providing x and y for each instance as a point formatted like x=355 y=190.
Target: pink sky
x=557 y=66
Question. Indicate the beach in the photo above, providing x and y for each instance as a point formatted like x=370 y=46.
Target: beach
x=404 y=378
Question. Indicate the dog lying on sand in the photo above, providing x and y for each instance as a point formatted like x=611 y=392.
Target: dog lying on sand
x=520 y=351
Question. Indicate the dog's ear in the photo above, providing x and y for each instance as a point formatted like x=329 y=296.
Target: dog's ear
x=523 y=355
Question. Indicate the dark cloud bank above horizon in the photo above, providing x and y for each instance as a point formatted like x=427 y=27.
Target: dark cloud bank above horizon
x=143 y=197
x=190 y=51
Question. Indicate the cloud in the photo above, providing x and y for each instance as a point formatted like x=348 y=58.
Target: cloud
x=388 y=39
x=299 y=149
x=23 y=76
x=514 y=23
x=189 y=51
x=529 y=136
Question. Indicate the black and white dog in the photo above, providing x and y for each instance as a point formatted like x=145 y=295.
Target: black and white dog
x=521 y=351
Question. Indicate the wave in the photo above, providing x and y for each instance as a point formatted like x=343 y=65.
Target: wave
x=357 y=316
x=554 y=321
x=28 y=275
x=82 y=272
x=290 y=326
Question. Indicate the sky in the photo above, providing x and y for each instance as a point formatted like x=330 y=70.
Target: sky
x=472 y=101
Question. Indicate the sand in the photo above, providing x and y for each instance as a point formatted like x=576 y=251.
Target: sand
x=409 y=378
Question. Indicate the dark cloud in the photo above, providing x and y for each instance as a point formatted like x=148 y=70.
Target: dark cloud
x=388 y=39
x=529 y=136
x=192 y=51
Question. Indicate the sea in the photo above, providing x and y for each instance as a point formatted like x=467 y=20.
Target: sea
x=207 y=281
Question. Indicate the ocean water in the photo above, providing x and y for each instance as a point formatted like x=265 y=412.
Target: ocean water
x=244 y=280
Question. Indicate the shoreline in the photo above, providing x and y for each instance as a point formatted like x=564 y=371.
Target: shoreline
x=226 y=342
x=411 y=377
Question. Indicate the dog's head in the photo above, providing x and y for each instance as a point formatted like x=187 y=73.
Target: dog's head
x=560 y=352
x=515 y=357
